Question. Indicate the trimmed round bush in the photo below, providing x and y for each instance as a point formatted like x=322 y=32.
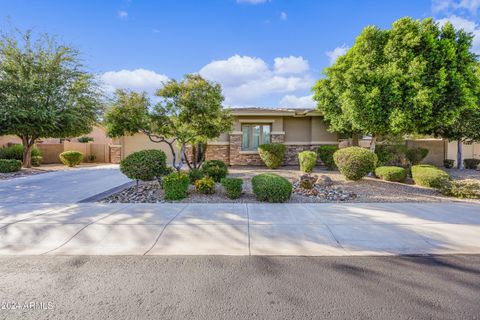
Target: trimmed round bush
x=355 y=162
x=71 y=158
x=429 y=176
x=205 y=185
x=325 y=153
x=36 y=161
x=272 y=154
x=176 y=186
x=195 y=174
x=307 y=160
x=16 y=152
x=391 y=173
x=448 y=163
x=233 y=187
x=471 y=163
x=145 y=165
x=215 y=169
x=10 y=165
x=416 y=155
x=271 y=187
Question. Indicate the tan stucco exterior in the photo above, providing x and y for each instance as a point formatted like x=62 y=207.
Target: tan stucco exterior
x=139 y=142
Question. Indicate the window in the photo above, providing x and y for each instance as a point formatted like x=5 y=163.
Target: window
x=255 y=134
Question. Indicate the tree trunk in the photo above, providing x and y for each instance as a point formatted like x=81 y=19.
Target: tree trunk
x=27 y=151
x=373 y=143
x=355 y=140
x=460 y=154
x=180 y=161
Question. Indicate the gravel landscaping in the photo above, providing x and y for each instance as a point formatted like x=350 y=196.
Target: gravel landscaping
x=368 y=189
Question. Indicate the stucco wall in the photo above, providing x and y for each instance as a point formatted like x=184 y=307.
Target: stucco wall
x=5 y=140
x=320 y=134
x=276 y=121
x=297 y=129
x=468 y=151
x=436 y=150
x=140 y=141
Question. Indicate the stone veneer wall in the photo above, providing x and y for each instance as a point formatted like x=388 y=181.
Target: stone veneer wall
x=218 y=152
x=291 y=157
x=115 y=153
x=238 y=158
x=214 y=152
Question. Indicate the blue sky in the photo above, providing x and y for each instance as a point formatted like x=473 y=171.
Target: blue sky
x=263 y=52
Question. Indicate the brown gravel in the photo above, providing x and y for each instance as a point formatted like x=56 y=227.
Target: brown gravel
x=22 y=173
x=368 y=189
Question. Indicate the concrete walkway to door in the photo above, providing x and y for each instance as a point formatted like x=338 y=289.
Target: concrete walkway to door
x=239 y=229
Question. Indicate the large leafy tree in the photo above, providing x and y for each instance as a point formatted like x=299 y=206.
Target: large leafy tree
x=415 y=78
x=190 y=112
x=44 y=93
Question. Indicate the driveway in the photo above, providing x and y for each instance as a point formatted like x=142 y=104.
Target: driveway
x=65 y=186
x=240 y=229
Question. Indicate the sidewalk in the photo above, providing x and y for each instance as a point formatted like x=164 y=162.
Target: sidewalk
x=239 y=229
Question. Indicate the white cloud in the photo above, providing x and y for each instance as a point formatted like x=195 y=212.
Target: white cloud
x=283 y=16
x=252 y=1
x=138 y=80
x=290 y=65
x=454 y=5
x=293 y=101
x=122 y=14
x=337 y=52
x=468 y=26
x=245 y=79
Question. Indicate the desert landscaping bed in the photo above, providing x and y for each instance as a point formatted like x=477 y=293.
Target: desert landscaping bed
x=368 y=189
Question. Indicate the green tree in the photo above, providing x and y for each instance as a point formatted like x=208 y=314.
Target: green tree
x=44 y=93
x=415 y=78
x=190 y=112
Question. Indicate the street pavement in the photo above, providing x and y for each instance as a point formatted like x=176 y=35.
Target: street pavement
x=257 y=287
x=240 y=229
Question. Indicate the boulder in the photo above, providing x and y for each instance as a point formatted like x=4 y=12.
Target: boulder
x=324 y=181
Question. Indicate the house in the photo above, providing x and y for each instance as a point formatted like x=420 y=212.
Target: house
x=298 y=129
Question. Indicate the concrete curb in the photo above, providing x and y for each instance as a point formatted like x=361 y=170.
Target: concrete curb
x=107 y=193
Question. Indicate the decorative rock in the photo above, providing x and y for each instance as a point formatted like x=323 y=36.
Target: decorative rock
x=331 y=193
x=324 y=180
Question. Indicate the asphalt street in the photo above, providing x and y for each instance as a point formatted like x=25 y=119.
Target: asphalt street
x=220 y=287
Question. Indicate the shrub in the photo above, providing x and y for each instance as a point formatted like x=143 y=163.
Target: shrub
x=145 y=165
x=307 y=160
x=216 y=169
x=471 y=163
x=85 y=139
x=355 y=162
x=448 y=163
x=71 y=158
x=205 y=185
x=271 y=187
x=461 y=189
x=272 y=154
x=176 y=186
x=233 y=187
x=326 y=155
x=36 y=161
x=195 y=174
x=16 y=152
x=429 y=176
x=391 y=154
x=391 y=173
x=10 y=165
x=416 y=155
